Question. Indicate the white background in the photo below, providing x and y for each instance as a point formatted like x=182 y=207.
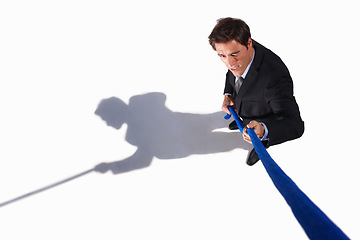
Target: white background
x=59 y=59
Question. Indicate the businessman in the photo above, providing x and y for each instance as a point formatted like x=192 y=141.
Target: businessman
x=258 y=85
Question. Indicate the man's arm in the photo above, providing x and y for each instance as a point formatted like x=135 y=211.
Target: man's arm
x=259 y=129
x=287 y=124
x=228 y=101
x=228 y=98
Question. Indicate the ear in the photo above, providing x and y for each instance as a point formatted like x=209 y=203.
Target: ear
x=250 y=43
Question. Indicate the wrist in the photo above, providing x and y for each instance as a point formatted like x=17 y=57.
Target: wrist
x=266 y=132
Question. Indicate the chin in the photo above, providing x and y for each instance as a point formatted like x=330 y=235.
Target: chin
x=236 y=74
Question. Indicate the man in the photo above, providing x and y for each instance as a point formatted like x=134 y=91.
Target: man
x=258 y=85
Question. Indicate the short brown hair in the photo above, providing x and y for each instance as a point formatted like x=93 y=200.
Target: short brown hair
x=228 y=29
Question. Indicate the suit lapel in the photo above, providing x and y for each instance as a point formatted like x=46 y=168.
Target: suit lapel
x=232 y=80
x=249 y=79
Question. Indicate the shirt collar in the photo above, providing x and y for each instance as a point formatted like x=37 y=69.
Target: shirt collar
x=248 y=67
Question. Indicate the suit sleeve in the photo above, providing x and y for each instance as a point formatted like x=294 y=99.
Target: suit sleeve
x=228 y=87
x=287 y=123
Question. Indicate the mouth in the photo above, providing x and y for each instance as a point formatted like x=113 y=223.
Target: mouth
x=234 y=69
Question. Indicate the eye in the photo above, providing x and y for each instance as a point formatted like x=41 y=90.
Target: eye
x=235 y=54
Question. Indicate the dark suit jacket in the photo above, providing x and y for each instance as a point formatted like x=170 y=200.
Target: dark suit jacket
x=266 y=95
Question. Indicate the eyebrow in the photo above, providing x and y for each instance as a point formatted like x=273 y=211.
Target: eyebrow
x=233 y=53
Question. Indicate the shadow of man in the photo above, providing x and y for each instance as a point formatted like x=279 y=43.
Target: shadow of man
x=158 y=132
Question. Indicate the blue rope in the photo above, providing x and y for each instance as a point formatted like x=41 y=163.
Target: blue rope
x=314 y=222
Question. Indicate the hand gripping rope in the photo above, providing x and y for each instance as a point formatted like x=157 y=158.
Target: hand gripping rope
x=314 y=222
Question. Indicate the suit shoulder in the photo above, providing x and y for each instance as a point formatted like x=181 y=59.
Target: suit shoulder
x=269 y=57
x=272 y=67
x=229 y=74
x=274 y=63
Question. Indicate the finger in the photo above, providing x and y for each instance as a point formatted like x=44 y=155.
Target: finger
x=246 y=136
x=245 y=130
x=252 y=124
x=247 y=139
x=226 y=109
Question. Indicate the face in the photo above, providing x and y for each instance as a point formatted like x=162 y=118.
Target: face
x=235 y=56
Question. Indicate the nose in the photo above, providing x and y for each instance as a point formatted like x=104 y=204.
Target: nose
x=230 y=62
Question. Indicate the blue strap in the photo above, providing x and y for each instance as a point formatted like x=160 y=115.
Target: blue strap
x=236 y=118
x=314 y=222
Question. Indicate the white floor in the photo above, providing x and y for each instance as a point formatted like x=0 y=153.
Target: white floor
x=185 y=176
